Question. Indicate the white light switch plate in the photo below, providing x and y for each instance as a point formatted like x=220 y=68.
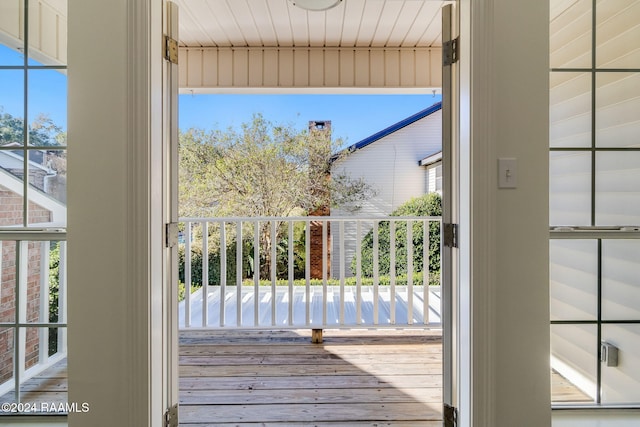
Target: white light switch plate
x=507 y=173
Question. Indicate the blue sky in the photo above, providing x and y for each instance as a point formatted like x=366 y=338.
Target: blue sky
x=47 y=90
x=353 y=117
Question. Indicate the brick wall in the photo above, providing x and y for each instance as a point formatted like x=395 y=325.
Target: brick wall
x=315 y=246
x=11 y=211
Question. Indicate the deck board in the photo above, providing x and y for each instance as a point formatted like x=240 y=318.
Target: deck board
x=359 y=377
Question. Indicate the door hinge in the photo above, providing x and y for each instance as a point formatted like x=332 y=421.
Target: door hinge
x=450 y=235
x=450 y=52
x=171 y=416
x=171 y=49
x=450 y=416
x=171 y=234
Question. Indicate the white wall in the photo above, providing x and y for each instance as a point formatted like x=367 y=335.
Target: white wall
x=112 y=334
x=97 y=212
x=508 y=233
x=391 y=166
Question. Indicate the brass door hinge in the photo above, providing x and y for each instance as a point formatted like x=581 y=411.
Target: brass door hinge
x=450 y=416
x=450 y=52
x=171 y=234
x=171 y=416
x=171 y=49
x=450 y=235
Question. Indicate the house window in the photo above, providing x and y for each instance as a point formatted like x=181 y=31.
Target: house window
x=595 y=202
x=33 y=174
x=434 y=178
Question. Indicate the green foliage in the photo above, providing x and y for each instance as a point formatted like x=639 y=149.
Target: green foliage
x=54 y=288
x=42 y=132
x=263 y=170
x=401 y=280
x=282 y=255
x=427 y=205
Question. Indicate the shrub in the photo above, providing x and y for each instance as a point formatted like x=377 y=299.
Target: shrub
x=401 y=280
x=427 y=205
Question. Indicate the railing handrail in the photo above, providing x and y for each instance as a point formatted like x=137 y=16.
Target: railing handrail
x=374 y=298
x=33 y=234
x=312 y=218
x=595 y=232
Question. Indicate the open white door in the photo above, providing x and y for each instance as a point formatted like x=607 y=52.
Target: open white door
x=450 y=214
x=170 y=208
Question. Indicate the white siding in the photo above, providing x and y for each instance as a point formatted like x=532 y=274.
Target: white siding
x=47 y=29
x=391 y=166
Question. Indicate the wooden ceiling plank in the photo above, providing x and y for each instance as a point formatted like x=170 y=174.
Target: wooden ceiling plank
x=430 y=24
x=404 y=22
x=353 y=20
x=299 y=25
x=264 y=22
x=279 y=15
x=334 y=26
x=370 y=18
x=387 y=22
x=245 y=22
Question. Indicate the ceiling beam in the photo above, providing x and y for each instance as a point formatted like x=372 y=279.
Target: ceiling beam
x=216 y=69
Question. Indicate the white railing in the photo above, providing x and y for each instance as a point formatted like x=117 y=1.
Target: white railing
x=25 y=256
x=266 y=276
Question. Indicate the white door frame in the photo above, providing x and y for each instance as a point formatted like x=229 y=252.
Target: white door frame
x=115 y=97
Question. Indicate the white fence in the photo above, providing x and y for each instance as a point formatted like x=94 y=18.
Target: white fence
x=270 y=261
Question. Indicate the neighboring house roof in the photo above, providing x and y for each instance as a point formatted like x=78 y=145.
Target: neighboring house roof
x=431 y=159
x=36 y=195
x=395 y=127
x=10 y=160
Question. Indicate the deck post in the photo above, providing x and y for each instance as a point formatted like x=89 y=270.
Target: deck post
x=316 y=336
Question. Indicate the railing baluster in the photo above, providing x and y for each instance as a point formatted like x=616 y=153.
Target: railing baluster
x=337 y=304
x=392 y=270
x=256 y=274
x=426 y=226
x=43 y=335
x=441 y=243
x=290 y=271
x=239 y=273
x=62 y=297
x=342 y=272
x=274 y=262
x=205 y=274
x=223 y=272
x=324 y=272
x=376 y=271
x=307 y=272
x=358 y=273
x=409 y=272
x=187 y=276
x=21 y=274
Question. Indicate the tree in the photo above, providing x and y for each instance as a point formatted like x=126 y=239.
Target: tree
x=43 y=132
x=427 y=205
x=264 y=170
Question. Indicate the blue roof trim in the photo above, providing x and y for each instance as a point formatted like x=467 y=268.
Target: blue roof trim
x=395 y=127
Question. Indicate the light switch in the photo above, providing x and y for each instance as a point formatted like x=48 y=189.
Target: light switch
x=507 y=173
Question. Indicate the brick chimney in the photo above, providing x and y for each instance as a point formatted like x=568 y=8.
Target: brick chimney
x=315 y=245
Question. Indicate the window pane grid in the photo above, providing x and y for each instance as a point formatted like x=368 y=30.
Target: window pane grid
x=32 y=197
x=603 y=138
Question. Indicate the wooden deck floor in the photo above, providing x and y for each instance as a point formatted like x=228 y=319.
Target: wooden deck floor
x=277 y=379
x=354 y=378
